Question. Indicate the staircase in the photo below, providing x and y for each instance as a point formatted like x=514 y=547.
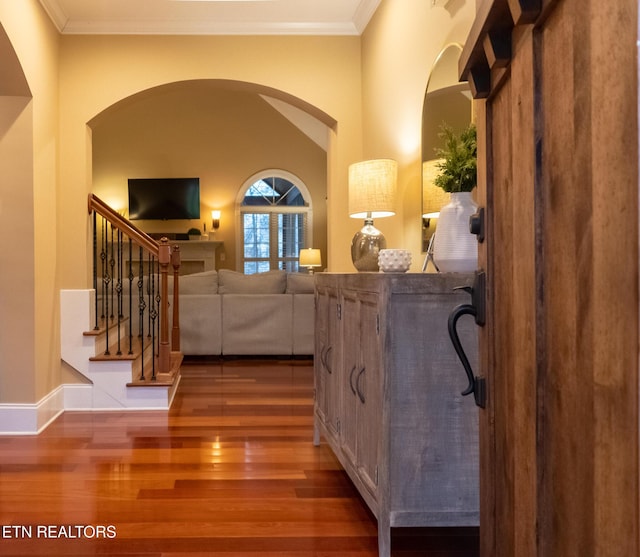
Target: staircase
x=128 y=366
x=115 y=380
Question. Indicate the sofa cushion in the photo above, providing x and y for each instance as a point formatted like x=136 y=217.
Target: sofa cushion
x=303 y=324
x=199 y=283
x=200 y=324
x=232 y=282
x=299 y=283
x=257 y=324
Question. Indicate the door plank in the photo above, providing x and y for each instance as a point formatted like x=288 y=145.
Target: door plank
x=614 y=148
x=523 y=291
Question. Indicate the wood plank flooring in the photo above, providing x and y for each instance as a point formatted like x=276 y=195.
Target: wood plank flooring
x=230 y=471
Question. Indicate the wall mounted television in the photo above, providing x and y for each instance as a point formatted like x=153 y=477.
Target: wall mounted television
x=164 y=198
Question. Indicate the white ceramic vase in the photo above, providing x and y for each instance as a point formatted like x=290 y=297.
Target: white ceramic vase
x=455 y=249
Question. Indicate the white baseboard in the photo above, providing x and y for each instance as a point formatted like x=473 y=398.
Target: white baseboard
x=31 y=419
x=108 y=389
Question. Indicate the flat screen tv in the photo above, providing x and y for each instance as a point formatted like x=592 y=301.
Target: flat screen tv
x=164 y=198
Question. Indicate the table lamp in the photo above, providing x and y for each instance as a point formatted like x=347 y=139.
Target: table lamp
x=309 y=258
x=372 y=194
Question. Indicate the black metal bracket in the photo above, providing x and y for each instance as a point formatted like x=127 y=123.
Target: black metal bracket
x=476 y=224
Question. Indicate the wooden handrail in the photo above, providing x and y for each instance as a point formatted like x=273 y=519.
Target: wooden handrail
x=139 y=237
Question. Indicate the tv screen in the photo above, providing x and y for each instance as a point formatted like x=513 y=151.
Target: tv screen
x=164 y=198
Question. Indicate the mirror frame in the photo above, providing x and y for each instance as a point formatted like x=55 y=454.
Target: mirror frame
x=443 y=88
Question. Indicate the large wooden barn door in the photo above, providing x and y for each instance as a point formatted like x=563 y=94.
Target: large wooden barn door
x=558 y=176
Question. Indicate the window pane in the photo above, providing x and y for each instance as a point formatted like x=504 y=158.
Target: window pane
x=273 y=239
x=290 y=265
x=256 y=234
x=273 y=191
x=290 y=234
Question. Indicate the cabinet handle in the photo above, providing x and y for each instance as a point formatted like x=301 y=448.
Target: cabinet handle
x=359 y=391
x=323 y=361
x=353 y=390
x=326 y=359
x=476 y=309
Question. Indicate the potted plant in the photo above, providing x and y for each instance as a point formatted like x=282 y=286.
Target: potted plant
x=194 y=233
x=458 y=164
x=455 y=248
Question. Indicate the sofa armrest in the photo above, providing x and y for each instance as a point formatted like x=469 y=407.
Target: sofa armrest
x=303 y=324
x=200 y=324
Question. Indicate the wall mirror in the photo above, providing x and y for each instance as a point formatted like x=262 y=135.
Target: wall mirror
x=446 y=100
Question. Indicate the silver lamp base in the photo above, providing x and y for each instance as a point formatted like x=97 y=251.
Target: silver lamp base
x=365 y=246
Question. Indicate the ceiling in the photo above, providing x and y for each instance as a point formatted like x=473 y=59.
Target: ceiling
x=211 y=17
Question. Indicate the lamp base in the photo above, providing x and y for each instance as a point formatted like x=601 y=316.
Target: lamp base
x=365 y=246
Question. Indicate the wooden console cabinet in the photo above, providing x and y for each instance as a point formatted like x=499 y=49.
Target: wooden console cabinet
x=387 y=385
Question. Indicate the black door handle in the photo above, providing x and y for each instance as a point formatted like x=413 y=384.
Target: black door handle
x=477 y=310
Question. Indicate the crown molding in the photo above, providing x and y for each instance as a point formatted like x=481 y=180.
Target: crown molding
x=205 y=28
x=68 y=26
x=364 y=13
x=55 y=13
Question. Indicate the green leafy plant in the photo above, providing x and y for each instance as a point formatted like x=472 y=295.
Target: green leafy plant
x=460 y=154
x=194 y=232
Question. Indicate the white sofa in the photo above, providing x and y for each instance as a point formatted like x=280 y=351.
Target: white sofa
x=227 y=313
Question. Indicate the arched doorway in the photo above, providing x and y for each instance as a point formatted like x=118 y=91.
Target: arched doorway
x=221 y=131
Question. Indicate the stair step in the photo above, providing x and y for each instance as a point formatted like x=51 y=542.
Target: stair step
x=124 y=349
x=102 y=326
x=162 y=379
x=100 y=336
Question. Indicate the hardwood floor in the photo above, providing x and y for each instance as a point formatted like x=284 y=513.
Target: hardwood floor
x=230 y=471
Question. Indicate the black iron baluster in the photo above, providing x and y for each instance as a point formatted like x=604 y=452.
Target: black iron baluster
x=120 y=272
x=112 y=264
x=106 y=281
x=95 y=268
x=158 y=300
x=130 y=297
x=103 y=259
x=141 y=308
x=119 y=290
x=149 y=298
x=152 y=315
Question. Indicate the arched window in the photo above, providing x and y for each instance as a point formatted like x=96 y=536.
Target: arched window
x=275 y=213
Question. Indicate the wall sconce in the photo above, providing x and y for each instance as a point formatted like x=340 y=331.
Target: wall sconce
x=372 y=194
x=309 y=258
x=215 y=220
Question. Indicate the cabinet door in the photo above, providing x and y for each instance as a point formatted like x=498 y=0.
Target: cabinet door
x=326 y=359
x=351 y=368
x=361 y=384
x=368 y=386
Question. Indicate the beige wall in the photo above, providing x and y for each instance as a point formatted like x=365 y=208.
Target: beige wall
x=369 y=89
x=206 y=129
x=399 y=47
x=29 y=337
x=96 y=72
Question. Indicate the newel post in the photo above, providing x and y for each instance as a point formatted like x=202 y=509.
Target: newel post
x=164 y=258
x=175 y=331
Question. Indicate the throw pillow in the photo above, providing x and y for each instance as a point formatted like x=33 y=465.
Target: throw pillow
x=299 y=283
x=199 y=283
x=232 y=282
